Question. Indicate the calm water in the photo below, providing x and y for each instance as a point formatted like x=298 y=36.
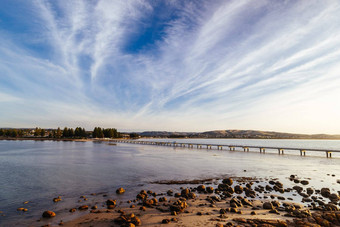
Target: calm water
x=38 y=171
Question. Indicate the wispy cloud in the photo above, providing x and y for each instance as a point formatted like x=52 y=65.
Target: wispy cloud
x=177 y=65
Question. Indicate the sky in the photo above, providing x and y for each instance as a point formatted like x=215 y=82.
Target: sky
x=174 y=65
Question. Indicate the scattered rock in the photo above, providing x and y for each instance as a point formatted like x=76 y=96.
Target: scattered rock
x=84 y=207
x=22 y=209
x=72 y=210
x=228 y=181
x=334 y=197
x=210 y=189
x=126 y=220
x=178 y=206
x=267 y=206
x=120 y=191
x=238 y=189
x=201 y=188
x=310 y=191
x=48 y=214
x=304 y=182
x=166 y=221
x=325 y=192
x=58 y=199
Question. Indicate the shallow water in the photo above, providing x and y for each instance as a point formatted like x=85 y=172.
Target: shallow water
x=38 y=171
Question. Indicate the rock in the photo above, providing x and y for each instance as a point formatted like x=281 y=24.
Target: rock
x=178 y=206
x=58 y=199
x=334 y=197
x=238 y=189
x=296 y=181
x=111 y=203
x=304 y=182
x=84 y=207
x=310 y=191
x=279 y=184
x=331 y=207
x=72 y=210
x=275 y=203
x=274 y=211
x=199 y=213
x=235 y=201
x=269 y=188
x=126 y=220
x=163 y=199
x=201 y=188
x=325 y=192
x=223 y=211
x=228 y=181
x=253 y=213
x=143 y=208
x=48 y=214
x=150 y=202
x=210 y=189
x=166 y=221
x=233 y=210
x=94 y=207
x=250 y=193
x=298 y=188
x=267 y=206
x=246 y=202
x=169 y=192
x=120 y=191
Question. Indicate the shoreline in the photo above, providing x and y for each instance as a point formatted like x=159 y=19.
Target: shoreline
x=224 y=202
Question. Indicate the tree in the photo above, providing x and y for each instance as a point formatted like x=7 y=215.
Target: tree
x=134 y=135
x=97 y=133
x=42 y=132
x=70 y=132
x=58 y=133
x=65 y=132
x=37 y=131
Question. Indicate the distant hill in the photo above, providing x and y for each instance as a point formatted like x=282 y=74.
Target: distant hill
x=250 y=134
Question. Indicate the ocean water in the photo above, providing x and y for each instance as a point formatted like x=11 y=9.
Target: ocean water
x=38 y=171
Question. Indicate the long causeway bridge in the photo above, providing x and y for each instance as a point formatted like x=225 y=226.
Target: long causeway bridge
x=262 y=149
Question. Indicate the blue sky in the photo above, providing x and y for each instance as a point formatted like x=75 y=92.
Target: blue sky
x=171 y=65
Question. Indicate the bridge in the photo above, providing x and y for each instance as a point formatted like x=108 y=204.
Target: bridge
x=262 y=149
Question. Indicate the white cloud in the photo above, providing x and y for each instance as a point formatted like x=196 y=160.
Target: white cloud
x=238 y=64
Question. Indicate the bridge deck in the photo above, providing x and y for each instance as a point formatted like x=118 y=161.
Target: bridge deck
x=233 y=146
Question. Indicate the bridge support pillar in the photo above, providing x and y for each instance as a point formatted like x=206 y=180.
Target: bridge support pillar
x=302 y=152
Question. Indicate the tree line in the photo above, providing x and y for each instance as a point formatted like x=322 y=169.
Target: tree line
x=58 y=133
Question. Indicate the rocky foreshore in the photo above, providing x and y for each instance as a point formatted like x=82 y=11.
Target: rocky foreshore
x=224 y=202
